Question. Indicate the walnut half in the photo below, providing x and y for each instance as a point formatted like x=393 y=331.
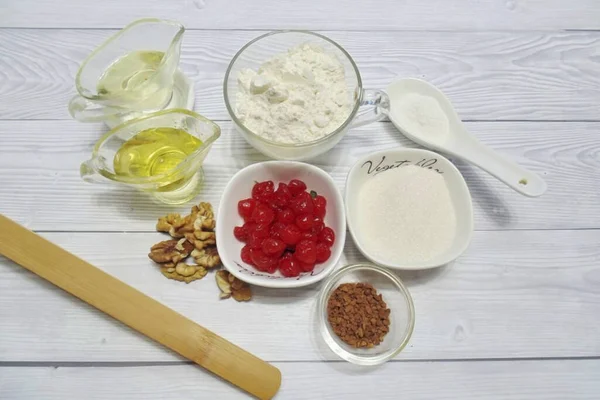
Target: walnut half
x=201 y=239
x=207 y=257
x=170 y=251
x=232 y=286
x=184 y=273
x=223 y=284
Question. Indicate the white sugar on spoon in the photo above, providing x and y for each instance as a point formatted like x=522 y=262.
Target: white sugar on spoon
x=425 y=115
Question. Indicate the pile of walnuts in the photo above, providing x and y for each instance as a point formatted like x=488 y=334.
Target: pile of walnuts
x=193 y=235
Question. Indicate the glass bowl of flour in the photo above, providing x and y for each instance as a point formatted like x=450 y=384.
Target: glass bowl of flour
x=294 y=94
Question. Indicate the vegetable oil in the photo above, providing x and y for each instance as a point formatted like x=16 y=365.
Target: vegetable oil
x=132 y=78
x=156 y=151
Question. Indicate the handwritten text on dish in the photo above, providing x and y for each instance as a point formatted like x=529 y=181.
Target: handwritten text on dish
x=383 y=166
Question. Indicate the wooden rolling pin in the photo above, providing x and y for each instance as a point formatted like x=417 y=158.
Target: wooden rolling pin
x=138 y=311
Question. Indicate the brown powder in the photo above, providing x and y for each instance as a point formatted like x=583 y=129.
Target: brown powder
x=358 y=314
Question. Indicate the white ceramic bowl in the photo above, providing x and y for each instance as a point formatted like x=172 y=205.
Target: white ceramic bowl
x=240 y=187
x=365 y=169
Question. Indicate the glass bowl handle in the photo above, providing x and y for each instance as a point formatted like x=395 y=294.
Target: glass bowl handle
x=376 y=103
x=84 y=110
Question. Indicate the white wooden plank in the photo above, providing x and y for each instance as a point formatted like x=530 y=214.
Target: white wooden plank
x=41 y=187
x=488 y=75
x=522 y=380
x=513 y=294
x=328 y=14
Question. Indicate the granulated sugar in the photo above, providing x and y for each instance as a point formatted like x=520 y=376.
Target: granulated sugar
x=406 y=215
x=421 y=116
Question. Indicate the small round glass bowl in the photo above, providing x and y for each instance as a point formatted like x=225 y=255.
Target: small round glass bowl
x=398 y=300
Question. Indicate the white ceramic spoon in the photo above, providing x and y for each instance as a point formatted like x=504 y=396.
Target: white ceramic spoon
x=456 y=141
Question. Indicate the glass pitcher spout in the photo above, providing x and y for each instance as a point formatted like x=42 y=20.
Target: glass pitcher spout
x=89 y=174
x=131 y=72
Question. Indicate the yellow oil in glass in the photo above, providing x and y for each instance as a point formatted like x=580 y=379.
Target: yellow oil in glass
x=156 y=151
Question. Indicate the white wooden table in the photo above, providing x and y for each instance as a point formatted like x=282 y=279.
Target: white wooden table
x=516 y=317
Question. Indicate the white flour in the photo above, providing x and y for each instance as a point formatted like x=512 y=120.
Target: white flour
x=296 y=97
x=421 y=116
x=406 y=215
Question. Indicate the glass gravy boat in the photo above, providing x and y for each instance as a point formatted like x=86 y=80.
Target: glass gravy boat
x=175 y=185
x=130 y=73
